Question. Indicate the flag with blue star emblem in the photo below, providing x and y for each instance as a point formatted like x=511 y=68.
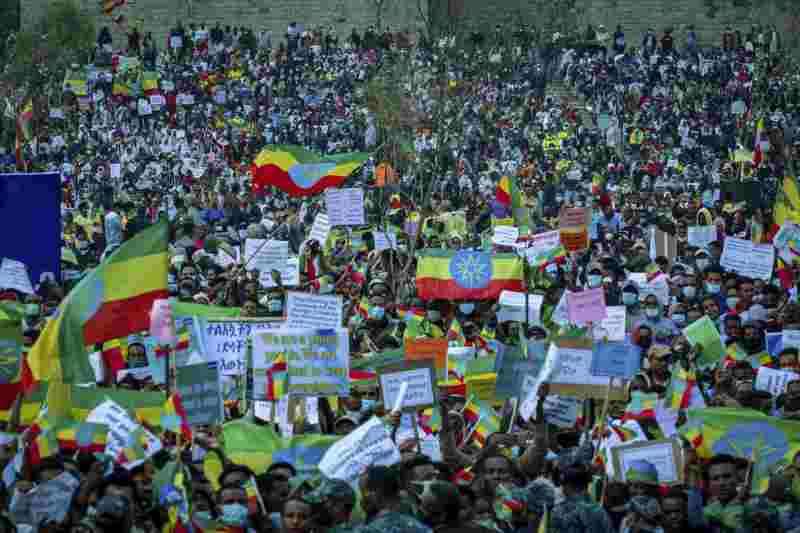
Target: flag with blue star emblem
x=467 y=275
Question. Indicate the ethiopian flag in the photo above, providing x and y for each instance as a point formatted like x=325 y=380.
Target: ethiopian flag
x=112 y=301
x=744 y=433
x=466 y=275
x=149 y=82
x=507 y=192
x=787 y=202
x=298 y=172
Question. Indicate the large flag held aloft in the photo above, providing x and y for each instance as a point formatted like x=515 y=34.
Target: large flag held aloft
x=298 y=172
x=112 y=301
x=466 y=275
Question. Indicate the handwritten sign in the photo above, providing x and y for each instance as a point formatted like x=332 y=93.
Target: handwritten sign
x=201 y=393
x=345 y=207
x=511 y=368
x=226 y=341
x=575 y=240
x=512 y=307
x=704 y=333
x=615 y=359
x=774 y=381
x=47 y=502
x=420 y=390
x=321 y=229
x=312 y=311
x=266 y=256
x=370 y=444
x=701 y=236
x=586 y=306
x=121 y=428
x=748 y=259
x=574 y=217
x=561 y=411
x=14 y=275
x=384 y=240
x=541 y=246
x=317 y=361
x=424 y=349
x=612 y=327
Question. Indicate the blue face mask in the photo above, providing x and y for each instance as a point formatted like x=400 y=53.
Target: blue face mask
x=234 y=514
x=629 y=298
x=466 y=308
x=367 y=404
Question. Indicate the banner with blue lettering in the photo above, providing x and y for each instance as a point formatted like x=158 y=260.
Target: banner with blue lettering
x=30 y=222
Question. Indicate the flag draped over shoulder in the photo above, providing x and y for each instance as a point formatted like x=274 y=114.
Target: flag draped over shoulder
x=466 y=275
x=298 y=172
x=112 y=301
x=744 y=433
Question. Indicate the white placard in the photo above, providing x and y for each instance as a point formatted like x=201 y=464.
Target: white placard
x=701 y=236
x=659 y=453
x=748 y=259
x=791 y=338
x=774 y=381
x=226 y=342
x=121 y=427
x=574 y=367
x=14 y=275
x=419 y=385
x=505 y=235
x=176 y=41
x=115 y=170
x=384 y=241
x=266 y=256
x=512 y=307
x=657 y=287
x=345 y=207
x=321 y=229
x=561 y=411
x=613 y=326
x=431 y=447
x=370 y=444
x=49 y=501
x=157 y=100
x=313 y=311
x=184 y=99
x=219 y=96
x=541 y=245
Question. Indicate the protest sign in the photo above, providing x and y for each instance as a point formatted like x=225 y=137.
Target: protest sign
x=790 y=339
x=457 y=359
x=571 y=375
x=586 y=306
x=424 y=349
x=317 y=361
x=505 y=235
x=14 y=275
x=430 y=446
x=789 y=232
x=612 y=327
x=266 y=256
x=541 y=246
x=321 y=229
x=701 y=236
x=512 y=307
x=775 y=343
x=185 y=99
x=121 y=430
x=384 y=240
x=176 y=41
x=561 y=411
x=574 y=217
x=703 y=332
x=345 y=207
x=225 y=259
x=774 y=381
x=157 y=100
x=225 y=340
x=421 y=388
x=575 y=240
x=220 y=96
x=511 y=368
x=658 y=286
x=201 y=393
x=664 y=455
x=748 y=259
x=370 y=444
x=615 y=359
x=312 y=311
x=49 y=501
x=481 y=386
x=115 y=170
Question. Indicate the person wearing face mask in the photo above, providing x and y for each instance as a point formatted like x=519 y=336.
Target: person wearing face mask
x=702 y=260
x=232 y=502
x=594 y=278
x=678 y=315
x=630 y=299
x=712 y=285
x=751 y=347
x=654 y=318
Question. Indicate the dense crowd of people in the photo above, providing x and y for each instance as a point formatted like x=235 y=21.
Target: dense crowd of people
x=658 y=142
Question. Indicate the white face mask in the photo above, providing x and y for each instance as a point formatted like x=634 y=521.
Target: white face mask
x=651 y=313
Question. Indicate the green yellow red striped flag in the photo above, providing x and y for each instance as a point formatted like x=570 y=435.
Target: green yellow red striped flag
x=112 y=301
x=467 y=275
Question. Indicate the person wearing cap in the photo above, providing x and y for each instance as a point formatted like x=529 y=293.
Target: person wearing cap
x=642 y=478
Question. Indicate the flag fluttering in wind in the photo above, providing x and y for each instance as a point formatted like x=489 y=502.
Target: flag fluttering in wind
x=466 y=275
x=298 y=172
x=112 y=301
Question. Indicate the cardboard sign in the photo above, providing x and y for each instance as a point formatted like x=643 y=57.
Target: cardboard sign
x=748 y=259
x=428 y=350
x=313 y=311
x=664 y=455
x=569 y=363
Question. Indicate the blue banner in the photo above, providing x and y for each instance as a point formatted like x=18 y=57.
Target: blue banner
x=30 y=222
